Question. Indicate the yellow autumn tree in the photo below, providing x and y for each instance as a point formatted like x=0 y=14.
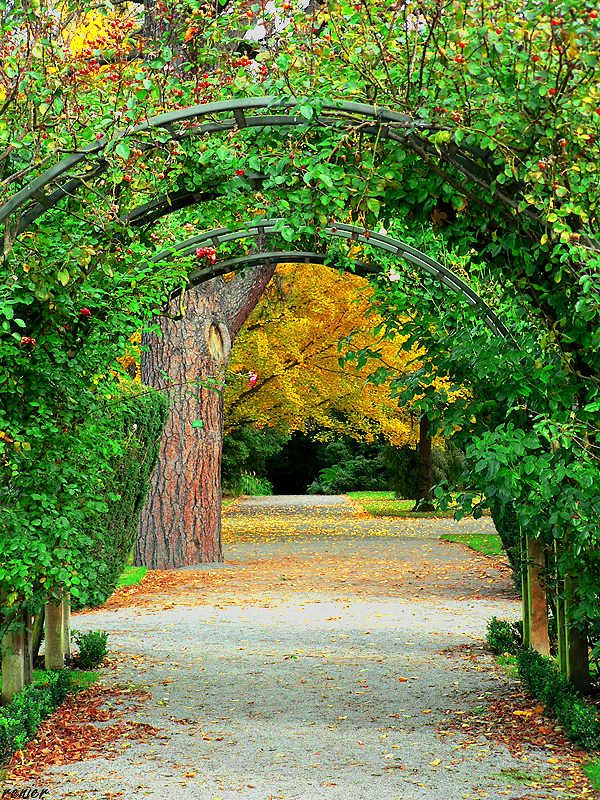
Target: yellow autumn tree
x=285 y=370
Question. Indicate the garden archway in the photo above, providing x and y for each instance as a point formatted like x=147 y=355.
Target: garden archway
x=61 y=181
x=81 y=168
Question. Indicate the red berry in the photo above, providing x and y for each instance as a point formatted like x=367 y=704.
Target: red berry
x=542 y=165
x=562 y=143
x=240 y=172
x=556 y=21
x=498 y=31
x=28 y=341
x=85 y=312
x=462 y=44
x=535 y=58
x=552 y=92
x=593 y=14
x=459 y=59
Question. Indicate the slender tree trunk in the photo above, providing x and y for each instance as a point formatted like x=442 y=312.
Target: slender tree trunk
x=181 y=521
x=424 y=468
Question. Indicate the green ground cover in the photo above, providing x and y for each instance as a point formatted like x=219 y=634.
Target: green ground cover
x=131 y=576
x=489 y=544
x=592 y=770
x=78 y=678
x=385 y=504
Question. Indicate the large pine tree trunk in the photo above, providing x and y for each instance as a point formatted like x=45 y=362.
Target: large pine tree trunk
x=181 y=521
x=425 y=467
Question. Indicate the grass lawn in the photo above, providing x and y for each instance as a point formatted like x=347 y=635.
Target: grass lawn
x=131 y=576
x=385 y=504
x=80 y=678
x=592 y=770
x=489 y=544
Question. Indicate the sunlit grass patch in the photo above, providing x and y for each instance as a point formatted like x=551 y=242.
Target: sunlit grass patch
x=592 y=770
x=385 y=504
x=131 y=576
x=489 y=544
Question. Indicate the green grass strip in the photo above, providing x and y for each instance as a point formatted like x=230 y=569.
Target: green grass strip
x=385 y=504
x=131 y=576
x=489 y=544
x=592 y=770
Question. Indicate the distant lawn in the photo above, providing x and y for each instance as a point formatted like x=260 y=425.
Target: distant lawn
x=131 y=576
x=385 y=504
x=489 y=544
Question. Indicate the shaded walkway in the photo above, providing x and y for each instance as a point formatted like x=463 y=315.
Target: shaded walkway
x=312 y=667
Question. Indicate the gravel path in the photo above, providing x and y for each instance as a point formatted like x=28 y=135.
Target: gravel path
x=311 y=666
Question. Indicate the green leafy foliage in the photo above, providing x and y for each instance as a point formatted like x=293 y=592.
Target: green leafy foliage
x=579 y=718
x=501 y=636
x=113 y=531
x=493 y=171
x=21 y=718
x=252 y=484
x=131 y=576
x=92 y=648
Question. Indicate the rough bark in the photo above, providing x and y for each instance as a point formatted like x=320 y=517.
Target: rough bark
x=14 y=667
x=537 y=604
x=181 y=521
x=424 y=468
x=54 y=653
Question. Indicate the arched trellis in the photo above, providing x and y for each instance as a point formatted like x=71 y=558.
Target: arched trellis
x=266 y=228
x=58 y=182
x=77 y=169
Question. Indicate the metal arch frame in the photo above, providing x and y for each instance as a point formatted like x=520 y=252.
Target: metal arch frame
x=269 y=227
x=388 y=124
x=372 y=119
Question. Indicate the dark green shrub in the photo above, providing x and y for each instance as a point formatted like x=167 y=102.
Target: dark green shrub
x=92 y=648
x=541 y=677
x=252 y=484
x=501 y=636
x=21 y=718
x=113 y=531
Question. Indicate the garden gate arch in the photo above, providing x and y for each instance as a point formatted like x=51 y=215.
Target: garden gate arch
x=80 y=168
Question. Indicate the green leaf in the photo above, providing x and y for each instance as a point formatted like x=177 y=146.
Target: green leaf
x=122 y=149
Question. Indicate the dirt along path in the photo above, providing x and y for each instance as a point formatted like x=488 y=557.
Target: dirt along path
x=332 y=656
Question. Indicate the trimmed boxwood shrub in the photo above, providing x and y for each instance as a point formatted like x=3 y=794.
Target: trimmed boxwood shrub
x=542 y=678
x=92 y=648
x=502 y=636
x=21 y=718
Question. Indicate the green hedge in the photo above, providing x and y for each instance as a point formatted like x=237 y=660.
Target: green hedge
x=21 y=718
x=140 y=421
x=542 y=678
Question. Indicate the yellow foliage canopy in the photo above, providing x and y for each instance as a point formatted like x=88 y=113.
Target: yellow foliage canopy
x=292 y=342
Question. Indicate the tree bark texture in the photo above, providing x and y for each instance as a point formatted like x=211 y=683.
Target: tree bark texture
x=180 y=524
x=54 y=654
x=425 y=467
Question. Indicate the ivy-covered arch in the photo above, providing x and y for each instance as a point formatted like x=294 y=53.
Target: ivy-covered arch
x=61 y=181
x=261 y=230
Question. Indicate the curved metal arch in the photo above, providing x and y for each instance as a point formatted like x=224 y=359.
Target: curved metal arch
x=268 y=227
x=386 y=124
